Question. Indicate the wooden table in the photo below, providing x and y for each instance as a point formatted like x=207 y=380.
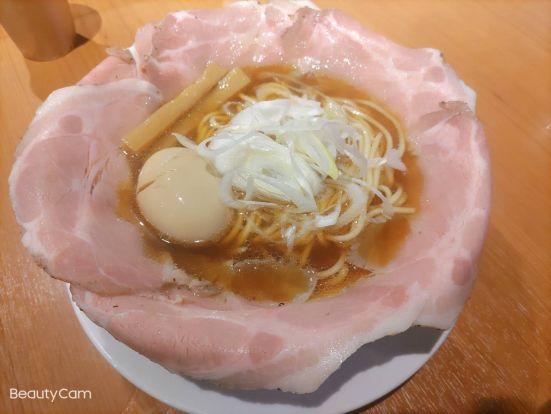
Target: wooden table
x=498 y=357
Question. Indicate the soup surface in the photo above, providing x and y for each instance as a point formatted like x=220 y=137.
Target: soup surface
x=246 y=272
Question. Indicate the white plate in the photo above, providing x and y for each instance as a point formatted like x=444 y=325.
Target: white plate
x=373 y=371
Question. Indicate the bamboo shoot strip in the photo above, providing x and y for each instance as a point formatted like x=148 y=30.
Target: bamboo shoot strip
x=158 y=122
x=232 y=83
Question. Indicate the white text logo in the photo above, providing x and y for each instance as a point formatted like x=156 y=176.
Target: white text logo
x=50 y=395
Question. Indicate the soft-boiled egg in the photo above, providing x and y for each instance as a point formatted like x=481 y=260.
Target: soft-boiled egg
x=178 y=196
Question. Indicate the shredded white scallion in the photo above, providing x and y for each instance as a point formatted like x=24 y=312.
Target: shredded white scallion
x=304 y=168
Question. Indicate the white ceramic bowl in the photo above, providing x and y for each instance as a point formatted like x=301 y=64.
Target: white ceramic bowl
x=373 y=371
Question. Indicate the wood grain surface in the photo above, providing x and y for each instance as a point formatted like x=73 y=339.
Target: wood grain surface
x=498 y=357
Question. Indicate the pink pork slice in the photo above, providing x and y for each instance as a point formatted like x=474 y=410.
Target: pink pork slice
x=64 y=192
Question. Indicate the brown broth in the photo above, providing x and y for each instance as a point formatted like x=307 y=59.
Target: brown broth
x=282 y=280
x=279 y=282
x=380 y=242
